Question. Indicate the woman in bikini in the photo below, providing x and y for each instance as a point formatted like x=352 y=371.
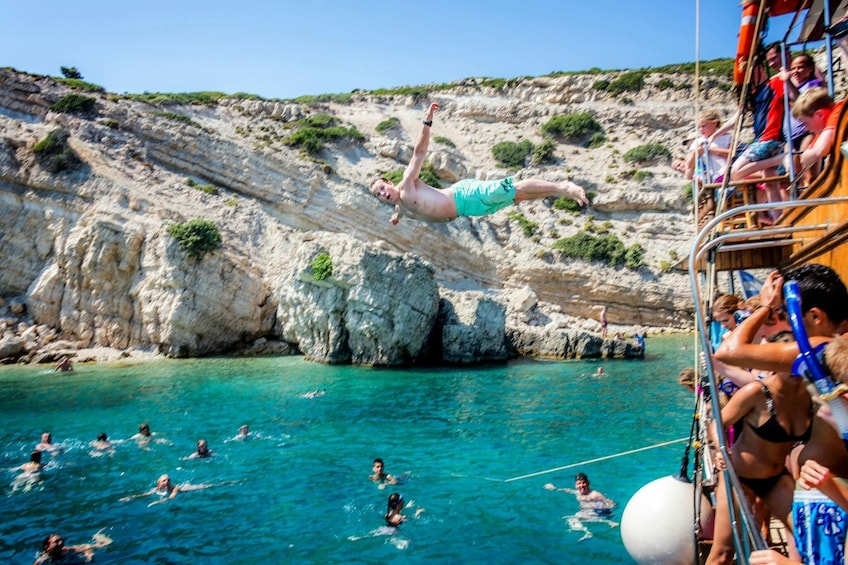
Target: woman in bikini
x=777 y=413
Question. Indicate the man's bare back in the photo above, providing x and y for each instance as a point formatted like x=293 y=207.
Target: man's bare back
x=416 y=199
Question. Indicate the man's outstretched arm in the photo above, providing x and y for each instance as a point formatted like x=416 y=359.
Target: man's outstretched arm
x=419 y=154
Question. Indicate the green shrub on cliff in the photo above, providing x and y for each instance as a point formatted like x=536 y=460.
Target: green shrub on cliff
x=78 y=103
x=529 y=227
x=545 y=153
x=388 y=124
x=631 y=81
x=205 y=98
x=322 y=266
x=53 y=152
x=565 y=203
x=428 y=175
x=647 y=152
x=511 y=154
x=316 y=130
x=78 y=84
x=181 y=118
x=196 y=237
x=606 y=249
x=571 y=127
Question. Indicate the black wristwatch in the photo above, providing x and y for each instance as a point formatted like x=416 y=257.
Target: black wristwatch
x=428 y=123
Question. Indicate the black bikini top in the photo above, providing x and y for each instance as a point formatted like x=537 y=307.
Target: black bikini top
x=771 y=431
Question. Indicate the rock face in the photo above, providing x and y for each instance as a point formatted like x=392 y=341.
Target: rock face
x=87 y=261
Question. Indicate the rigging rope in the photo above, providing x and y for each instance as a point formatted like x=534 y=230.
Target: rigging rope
x=596 y=460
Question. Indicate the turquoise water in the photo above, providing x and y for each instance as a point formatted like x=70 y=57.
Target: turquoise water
x=299 y=491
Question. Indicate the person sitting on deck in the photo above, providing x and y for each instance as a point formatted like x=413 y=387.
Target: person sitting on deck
x=820 y=115
x=415 y=199
x=707 y=157
x=766 y=152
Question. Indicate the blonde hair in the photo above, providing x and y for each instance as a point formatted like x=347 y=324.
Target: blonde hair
x=711 y=115
x=836 y=358
x=811 y=101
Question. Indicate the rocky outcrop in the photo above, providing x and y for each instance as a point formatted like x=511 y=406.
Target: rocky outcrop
x=87 y=260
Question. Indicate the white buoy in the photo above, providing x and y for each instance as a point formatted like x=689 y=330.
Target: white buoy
x=657 y=523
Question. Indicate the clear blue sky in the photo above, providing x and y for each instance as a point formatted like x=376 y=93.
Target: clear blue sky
x=281 y=49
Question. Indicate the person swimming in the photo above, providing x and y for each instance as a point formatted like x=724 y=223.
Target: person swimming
x=30 y=473
x=101 y=446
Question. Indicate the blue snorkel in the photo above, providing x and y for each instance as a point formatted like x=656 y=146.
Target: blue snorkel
x=808 y=364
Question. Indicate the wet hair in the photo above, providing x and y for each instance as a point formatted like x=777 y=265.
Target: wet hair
x=35 y=457
x=581 y=477
x=395 y=500
x=46 y=543
x=727 y=304
x=836 y=358
x=380 y=461
x=811 y=101
x=102 y=436
x=820 y=287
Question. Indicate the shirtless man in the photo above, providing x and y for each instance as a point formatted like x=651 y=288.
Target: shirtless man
x=54 y=549
x=30 y=472
x=379 y=474
x=165 y=490
x=145 y=436
x=47 y=444
x=413 y=198
x=594 y=506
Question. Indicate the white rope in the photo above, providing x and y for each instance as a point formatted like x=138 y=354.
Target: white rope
x=596 y=460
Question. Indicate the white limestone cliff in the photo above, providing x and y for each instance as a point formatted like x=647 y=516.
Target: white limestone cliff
x=87 y=260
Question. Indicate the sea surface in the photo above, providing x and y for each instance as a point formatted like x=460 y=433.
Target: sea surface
x=298 y=490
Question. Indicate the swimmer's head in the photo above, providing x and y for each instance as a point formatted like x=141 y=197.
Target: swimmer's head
x=243 y=429
x=163 y=482
x=53 y=544
x=144 y=429
x=35 y=457
x=202 y=447
x=102 y=437
x=581 y=483
x=395 y=501
x=46 y=437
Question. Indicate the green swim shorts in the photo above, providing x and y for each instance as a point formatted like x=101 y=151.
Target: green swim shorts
x=482 y=197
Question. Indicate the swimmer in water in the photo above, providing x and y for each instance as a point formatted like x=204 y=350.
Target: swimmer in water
x=394 y=510
x=379 y=474
x=54 y=550
x=202 y=452
x=165 y=490
x=30 y=473
x=594 y=506
x=145 y=436
x=101 y=446
x=47 y=445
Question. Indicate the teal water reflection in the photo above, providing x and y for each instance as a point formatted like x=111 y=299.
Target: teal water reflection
x=298 y=492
